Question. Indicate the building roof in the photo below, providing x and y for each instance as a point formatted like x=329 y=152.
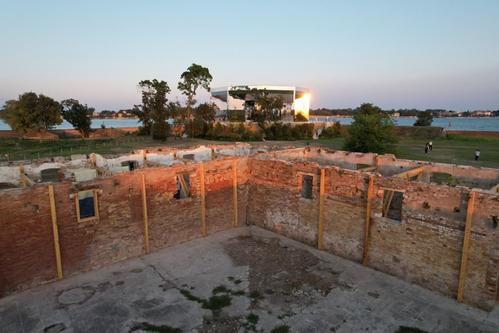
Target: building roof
x=222 y=93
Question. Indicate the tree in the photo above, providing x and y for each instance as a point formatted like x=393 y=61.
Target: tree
x=205 y=111
x=265 y=107
x=78 y=115
x=372 y=130
x=194 y=77
x=425 y=118
x=153 y=112
x=31 y=112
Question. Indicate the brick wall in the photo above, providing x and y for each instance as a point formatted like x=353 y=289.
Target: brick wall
x=424 y=247
x=26 y=242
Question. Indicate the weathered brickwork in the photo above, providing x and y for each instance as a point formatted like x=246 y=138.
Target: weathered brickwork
x=26 y=248
x=425 y=247
x=26 y=241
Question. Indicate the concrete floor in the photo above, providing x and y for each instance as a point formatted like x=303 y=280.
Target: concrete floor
x=242 y=280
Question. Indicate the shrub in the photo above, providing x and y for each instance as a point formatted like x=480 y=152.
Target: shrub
x=372 y=131
x=199 y=128
x=280 y=131
x=332 y=131
x=300 y=117
x=235 y=115
x=160 y=130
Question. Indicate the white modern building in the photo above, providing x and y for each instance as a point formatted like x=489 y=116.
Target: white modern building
x=295 y=99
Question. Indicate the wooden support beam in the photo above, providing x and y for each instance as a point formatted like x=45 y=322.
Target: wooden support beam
x=24 y=179
x=234 y=193
x=367 y=226
x=93 y=160
x=369 y=168
x=410 y=173
x=21 y=174
x=145 y=215
x=203 y=199
x=387 y=203
x=183 y=186
x=322 y=190
x=466 y=245
x=55 y=233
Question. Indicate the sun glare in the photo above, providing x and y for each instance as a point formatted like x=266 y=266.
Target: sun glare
x=302 y=105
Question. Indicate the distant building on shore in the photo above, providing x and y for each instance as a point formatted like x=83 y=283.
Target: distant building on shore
x=296 y=99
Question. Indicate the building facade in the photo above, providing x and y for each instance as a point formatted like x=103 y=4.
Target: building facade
x=238 y=98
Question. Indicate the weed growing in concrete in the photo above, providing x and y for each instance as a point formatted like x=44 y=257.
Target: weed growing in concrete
x=187 y=294
x=251 y=321
x=147 y=327
x=408 y=329
x=255 y=295
x=280 y=329
x=216 y=303
x=234 y=280
x=220 y=289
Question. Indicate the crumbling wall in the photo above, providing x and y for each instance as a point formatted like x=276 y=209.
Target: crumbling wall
x=469 y=176
x=26 y=247
x=275 y=200
x=344 y=212
x=424 y=247
x=171 y=220
x=26 y=241
x=322 y=156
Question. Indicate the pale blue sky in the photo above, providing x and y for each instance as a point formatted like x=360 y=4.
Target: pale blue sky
x=397 y=54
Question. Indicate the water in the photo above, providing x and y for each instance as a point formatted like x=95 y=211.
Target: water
x=459 y=124
x=96 y=123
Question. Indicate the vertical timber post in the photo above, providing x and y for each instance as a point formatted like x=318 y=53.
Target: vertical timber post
x=55 y=233
x=203 y=199
x=234 y=192
x=367 y=226
x=144 y=214
x=21 y=175
x=320 y=232
x=466 y=245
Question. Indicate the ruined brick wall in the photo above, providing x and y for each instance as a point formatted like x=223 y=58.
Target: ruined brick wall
x=26 y=242
x=344 y=212
x=275 y=200
x=26 y=248
x=424 y=247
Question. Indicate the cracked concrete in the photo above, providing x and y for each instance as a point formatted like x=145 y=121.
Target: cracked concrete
x=242 y=280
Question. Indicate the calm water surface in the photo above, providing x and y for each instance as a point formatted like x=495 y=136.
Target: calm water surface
x=461 y=124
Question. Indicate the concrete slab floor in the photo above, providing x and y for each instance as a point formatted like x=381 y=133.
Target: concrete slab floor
x=241 y=280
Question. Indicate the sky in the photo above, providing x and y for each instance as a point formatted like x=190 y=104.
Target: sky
x=395 y=54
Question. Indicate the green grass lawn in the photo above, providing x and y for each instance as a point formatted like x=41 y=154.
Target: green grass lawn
x=455 y=149
x=31 y=149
